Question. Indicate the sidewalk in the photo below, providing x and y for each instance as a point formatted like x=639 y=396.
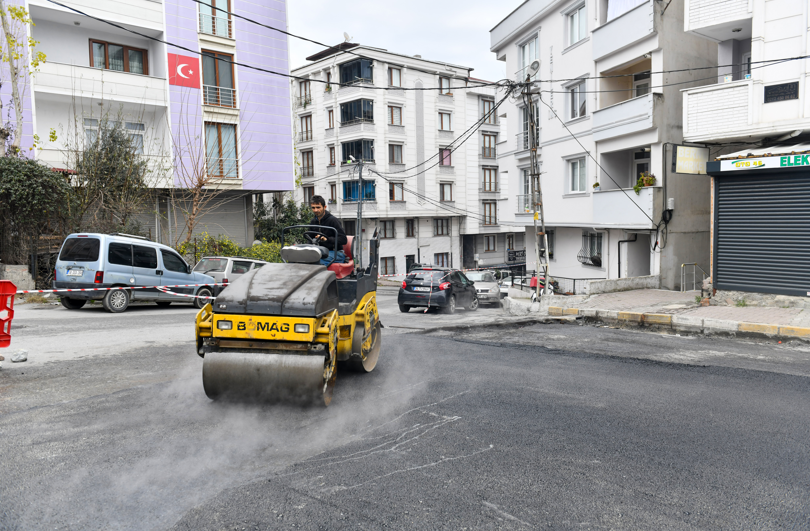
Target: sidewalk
x=679 y=311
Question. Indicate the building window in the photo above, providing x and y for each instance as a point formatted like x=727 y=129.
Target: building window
x=350 y=227
x=332 y=193
x=395 y=115
x=330 y=118
x=135 y=131
x=591 y=252
x=306 y=128
x=525 y=142
x=309 y=191
x=441 y=259
x=328 y=86
x=359 y=149
x=444 y=86
x=577 y=25
x=387 y=266
x=510 y=242
x=444 y=157
x=331 y=155
x=490 y=213
x=528 y=54
x=641 y=164
x=444 y=121
x=215 y=21
x=577 y=96
x=488 y=111
x=305 y=94
x=641 y=84
x=218 y=79
x=220 y=150
x=387 y=229
x=746 y=65
x=410 y=228
x=394 y=77
x=488 y=147
x=489 y=244
x=307 y=164
x=576 y=171
x=117 y=57
x=356 y=111
x=357 y=71
x=550 y=237
x=441 y=227
x=351 y=191
x=395 y=153
x=445 y=192
x=395 y=192
x=490 y=183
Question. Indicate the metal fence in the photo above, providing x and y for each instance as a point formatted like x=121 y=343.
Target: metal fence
x=219 y=96
x=560 y=285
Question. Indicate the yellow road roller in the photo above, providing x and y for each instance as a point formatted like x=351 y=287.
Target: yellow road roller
x=280 y=332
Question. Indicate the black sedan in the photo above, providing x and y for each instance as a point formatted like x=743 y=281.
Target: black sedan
x=441 y=288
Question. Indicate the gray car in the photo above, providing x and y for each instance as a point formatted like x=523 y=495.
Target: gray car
x=226 y=269
x=91 y=261
x=486 y=285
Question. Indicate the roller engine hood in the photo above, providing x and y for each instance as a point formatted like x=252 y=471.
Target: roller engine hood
x=289 y=290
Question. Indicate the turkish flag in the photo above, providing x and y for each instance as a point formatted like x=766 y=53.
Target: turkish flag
x=184 y=71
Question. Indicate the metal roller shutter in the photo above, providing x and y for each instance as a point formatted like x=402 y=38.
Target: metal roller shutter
x=762 y=233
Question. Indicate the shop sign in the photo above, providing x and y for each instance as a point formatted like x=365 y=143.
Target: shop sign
x=787 y=161
x=687 y=159
x=514 y=255
x=783 y=92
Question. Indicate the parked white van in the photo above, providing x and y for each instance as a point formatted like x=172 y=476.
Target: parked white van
x=113 y=260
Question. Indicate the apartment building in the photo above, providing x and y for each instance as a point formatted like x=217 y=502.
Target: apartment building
x=195 y=115
x=598 y=225
x=760 y=186
x=434 y=197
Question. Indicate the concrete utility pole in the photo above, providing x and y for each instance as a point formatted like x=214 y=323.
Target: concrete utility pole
x=359 y=224
x=537 y=195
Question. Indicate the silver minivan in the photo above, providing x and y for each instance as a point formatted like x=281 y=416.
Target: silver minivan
x=113 y=260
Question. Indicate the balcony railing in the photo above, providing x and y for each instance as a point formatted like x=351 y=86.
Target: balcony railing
x=219 y=96
x=307 y=171
x=224 y=168
x=522 y=140
x=524 y=204
x=488 y=152
x=303 y=101
x=520 y=75
x=489 y=186
x=305 y=136
x=216 y=25
x=357 y=121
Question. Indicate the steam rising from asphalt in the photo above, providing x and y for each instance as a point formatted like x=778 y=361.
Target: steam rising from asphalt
x=154 y=452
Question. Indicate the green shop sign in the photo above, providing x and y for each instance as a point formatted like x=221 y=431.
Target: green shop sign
x=787 y=161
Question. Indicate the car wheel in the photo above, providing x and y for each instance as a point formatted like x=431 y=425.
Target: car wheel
x=474 y=305
x=164 y=304
x=72 y=304
x=204 y=292
x=404 y=309
x=450 y=309
x=116 y=301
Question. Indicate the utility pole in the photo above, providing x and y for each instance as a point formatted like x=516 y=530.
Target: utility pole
x=359 y=224
x=537 y=195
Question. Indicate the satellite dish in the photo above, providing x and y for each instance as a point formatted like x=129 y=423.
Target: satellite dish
x=346 y=37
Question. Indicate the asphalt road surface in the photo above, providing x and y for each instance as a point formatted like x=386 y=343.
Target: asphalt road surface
x=553 y=426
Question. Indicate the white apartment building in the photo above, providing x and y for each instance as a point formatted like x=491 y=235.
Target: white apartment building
x=761 y=183
x=193 y=114
x=629 y=124
x=438 y=200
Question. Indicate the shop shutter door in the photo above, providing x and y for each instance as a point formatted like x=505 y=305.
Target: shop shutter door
x=762 y=229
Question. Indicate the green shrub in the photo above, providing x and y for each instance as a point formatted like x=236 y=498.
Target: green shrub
x=207 y=245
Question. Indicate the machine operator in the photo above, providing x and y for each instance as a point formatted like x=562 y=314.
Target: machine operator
x=324 y=218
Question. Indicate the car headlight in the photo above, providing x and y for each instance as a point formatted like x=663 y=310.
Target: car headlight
x=225 y=325
x=494 y=289
x=301 y=328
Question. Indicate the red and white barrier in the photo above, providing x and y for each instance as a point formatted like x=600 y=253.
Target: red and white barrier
x=68 y=290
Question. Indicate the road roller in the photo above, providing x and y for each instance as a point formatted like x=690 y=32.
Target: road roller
x=282 y=332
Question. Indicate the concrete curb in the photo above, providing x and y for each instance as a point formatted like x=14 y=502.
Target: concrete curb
x=685 y=323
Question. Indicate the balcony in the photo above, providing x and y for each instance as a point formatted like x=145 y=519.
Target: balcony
x=719 y=111
x=307 y=171
x=489 y=187
x=716 y=18
x=217 y=25
x=612 y=207
x=360 y=125
x=625 y=118
x=523 y=142
x=136 y=14
x=303 y=101
x=305 y=136
x=487 y=152
x=73 y=81
x=625 y=30
x=524 y=204
x=219 y=96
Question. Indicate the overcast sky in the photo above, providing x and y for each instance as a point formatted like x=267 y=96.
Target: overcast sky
x=452 y=31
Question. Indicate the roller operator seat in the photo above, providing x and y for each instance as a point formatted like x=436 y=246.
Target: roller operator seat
x=344 y=270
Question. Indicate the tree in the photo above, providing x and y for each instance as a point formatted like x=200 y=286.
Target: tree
x=32 y=201
x=270 y=218
x=17 y=49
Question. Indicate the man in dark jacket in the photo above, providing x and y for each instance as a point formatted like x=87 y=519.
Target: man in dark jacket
x=327 y=237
